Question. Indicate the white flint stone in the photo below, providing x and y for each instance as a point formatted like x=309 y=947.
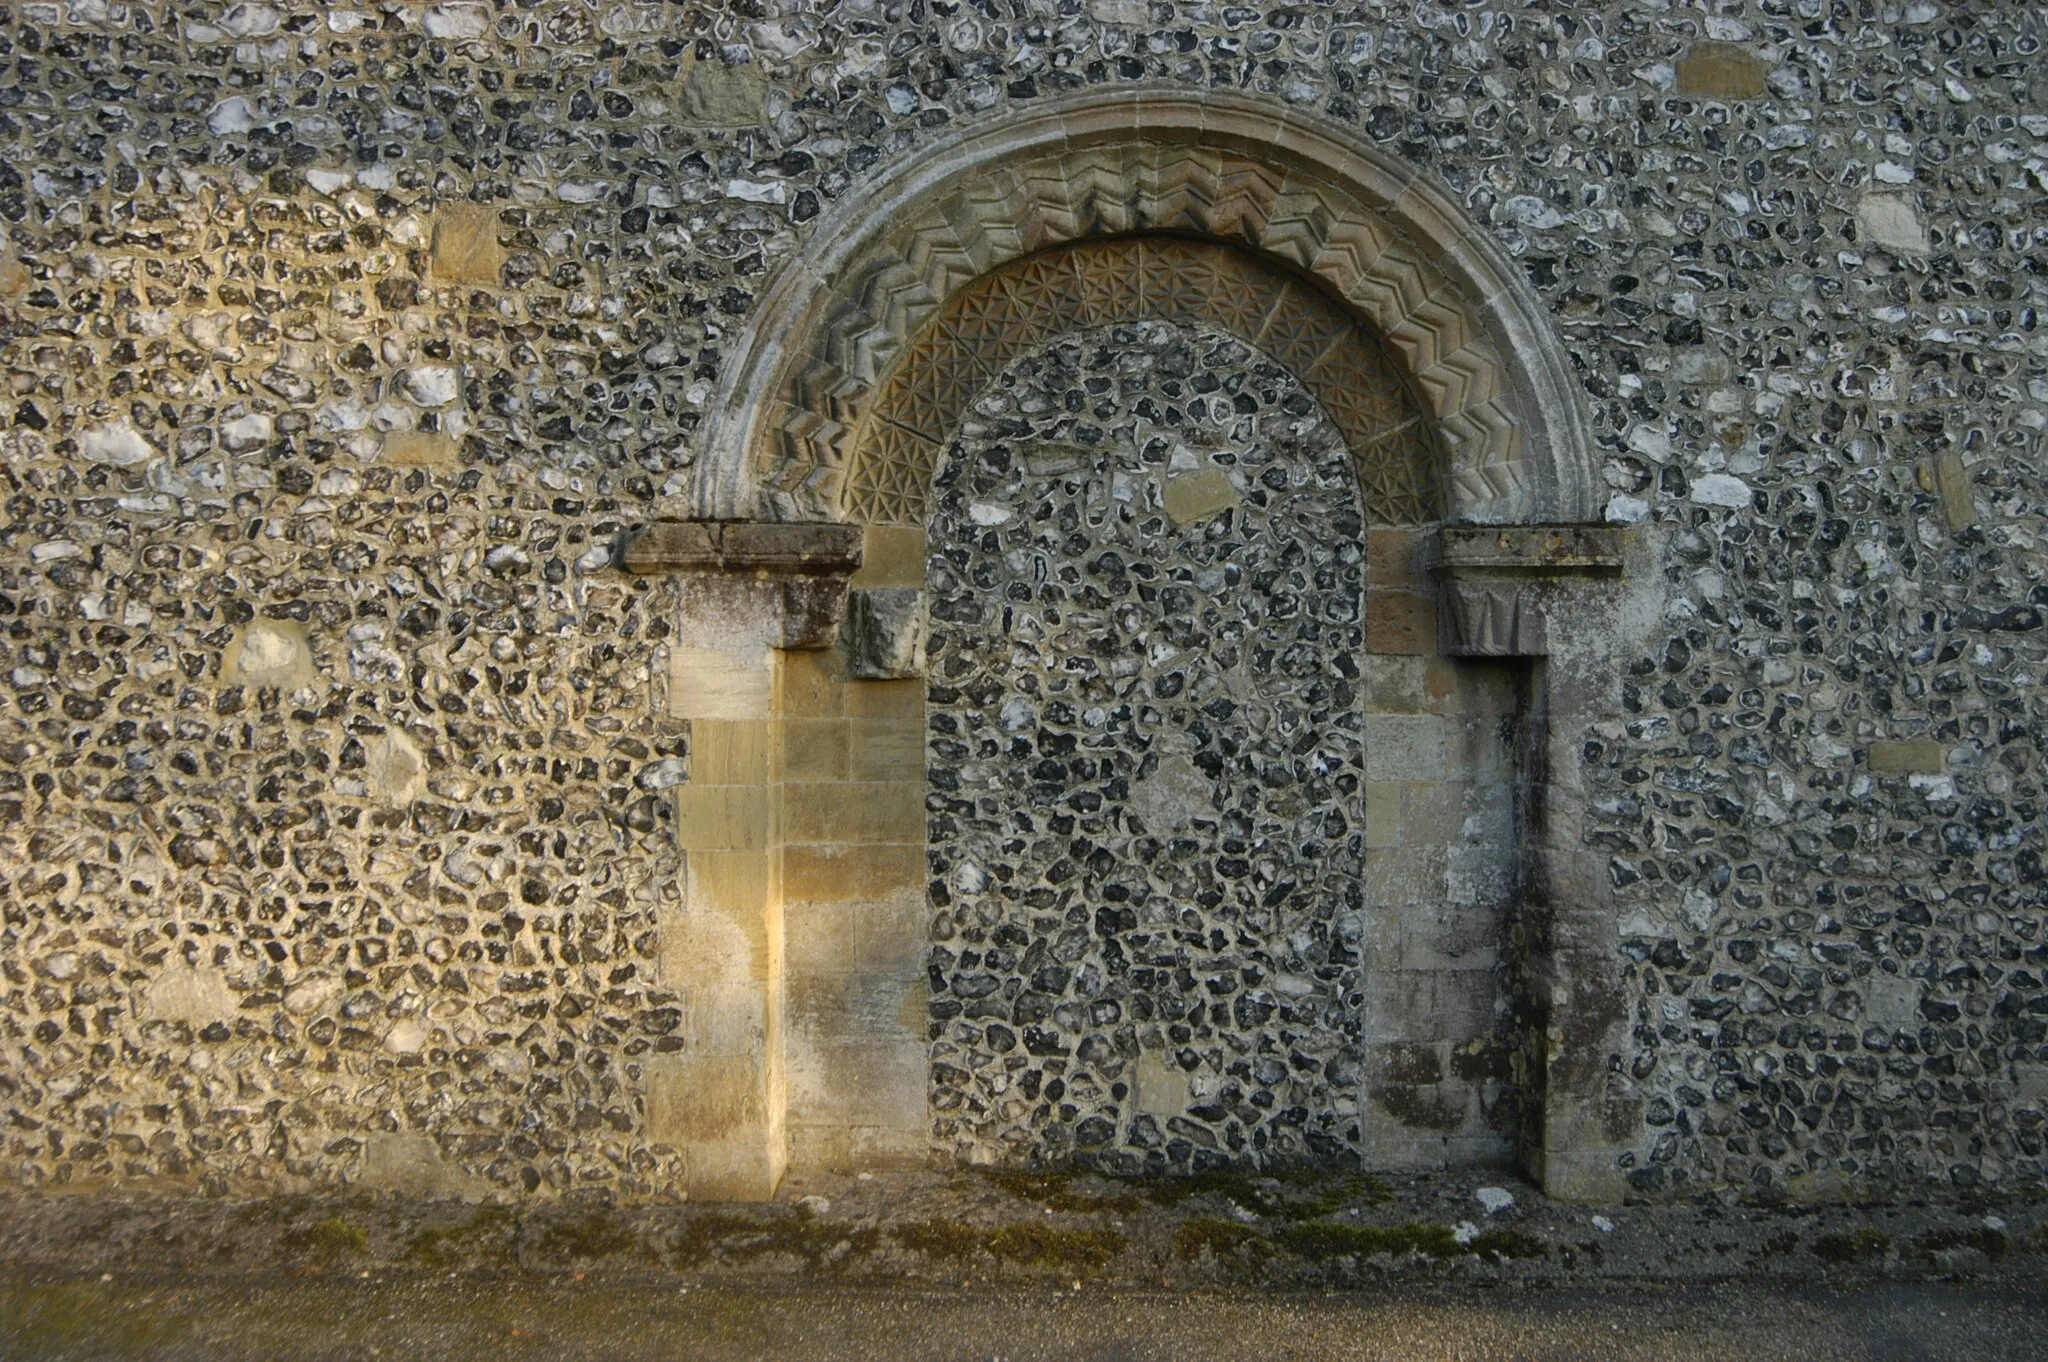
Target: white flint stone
x=1529 y=211
x=1495 y=1199
x=431 y=385
x=116 y=443
x=1721 y=489
x=1891 y=222
x=231 y=116
x=455 y=22
x=247 y=432
x=755 y=191
x=250 y=21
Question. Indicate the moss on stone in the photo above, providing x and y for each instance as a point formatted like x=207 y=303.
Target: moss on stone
x=328 y=1240
x=1852 y=1246
x=1220 y=1238
x=1058 y=1191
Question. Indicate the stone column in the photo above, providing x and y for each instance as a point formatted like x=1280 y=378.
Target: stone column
x=1546 y=593
x=756 y=600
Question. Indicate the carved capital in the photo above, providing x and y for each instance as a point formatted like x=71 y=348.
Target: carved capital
x=784 y=584
x=1498 y=583
x=884 y=635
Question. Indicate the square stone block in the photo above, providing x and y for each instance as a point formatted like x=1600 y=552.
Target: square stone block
x=1403 y=623
x=712 y=683
x=838 y=872
x=738 y=817
x=1398 y=876
x=1396 y=683
x=731 y=752
x=889 y=749
x=1394 y=561
x=1720 y=71
x=465 y=243
x=693 y=1098
x=1917 y=757
x=1383 y=813
x=817 y=938
x=887 y=700
x=811 y=685
x=1404 y=747
x=814 y=749
x=871 y=811
x=891 y=556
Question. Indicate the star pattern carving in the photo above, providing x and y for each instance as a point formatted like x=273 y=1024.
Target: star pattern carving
x=897 y=443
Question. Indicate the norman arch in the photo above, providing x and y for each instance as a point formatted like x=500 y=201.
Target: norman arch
x=1394 y=249
x=800 y=942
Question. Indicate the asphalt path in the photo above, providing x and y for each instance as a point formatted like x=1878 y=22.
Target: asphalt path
x=525 y=1318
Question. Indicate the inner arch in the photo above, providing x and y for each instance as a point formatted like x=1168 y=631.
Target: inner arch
x=1010 y=311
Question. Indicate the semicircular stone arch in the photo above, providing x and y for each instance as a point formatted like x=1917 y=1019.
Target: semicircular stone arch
x=1464 y=330
x=887 y=472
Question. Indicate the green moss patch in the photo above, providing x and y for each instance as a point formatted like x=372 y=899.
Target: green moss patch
x=328 y=1240
x=1062 y=1192
x=1029 y=1242
x=1289 y=1194
x=744 y=1238
x=1854 y=1246
x=1219 y=1238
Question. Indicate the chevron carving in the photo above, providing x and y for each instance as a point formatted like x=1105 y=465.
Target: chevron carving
x=892 y=454
x=1031 y=249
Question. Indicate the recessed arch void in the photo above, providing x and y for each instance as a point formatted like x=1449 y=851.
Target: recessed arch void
x=1471 y=340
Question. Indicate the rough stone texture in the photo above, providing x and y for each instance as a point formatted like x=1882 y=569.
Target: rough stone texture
x=239 y=390
x=885 y=634
x=1148 y=740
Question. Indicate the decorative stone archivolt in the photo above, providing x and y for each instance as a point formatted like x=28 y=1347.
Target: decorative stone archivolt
x=1450 y=308
x=1007 y=312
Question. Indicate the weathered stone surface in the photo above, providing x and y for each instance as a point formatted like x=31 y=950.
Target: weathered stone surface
x=412 y=1162
x=196 y=994
x=1715 y=70
x=1897 y=758
x=1192 y=497
x=272 y=653
x=884 y=633
x=466 y=243
x=1891 y=222
x=715 y=95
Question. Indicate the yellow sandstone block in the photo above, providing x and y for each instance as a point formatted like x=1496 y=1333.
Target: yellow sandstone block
x=853 y=812
x=887 y=700
x=737 y=817
x=810 y=685
x=835 y=872
x=466 y=243
x=732 y=752
x=891 y=555
x=814 y=749
x=885 y=749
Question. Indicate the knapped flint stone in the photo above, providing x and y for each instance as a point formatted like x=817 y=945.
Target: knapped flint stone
x=884 y=634
x=194 y=254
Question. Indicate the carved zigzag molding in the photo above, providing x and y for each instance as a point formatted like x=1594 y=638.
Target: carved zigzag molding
x=907 y=282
